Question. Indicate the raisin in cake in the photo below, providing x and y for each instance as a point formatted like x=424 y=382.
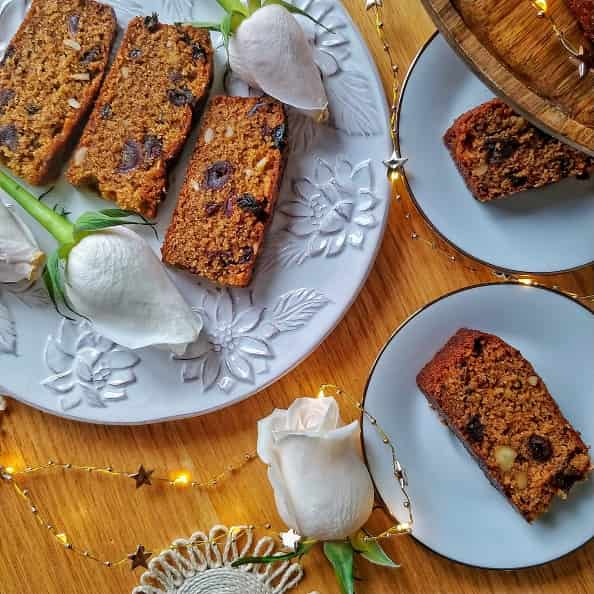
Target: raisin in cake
x=160 y=78
x=230 y=191
x=499 y=153
x=50 y=75
x=584 y=12
x=494 y=401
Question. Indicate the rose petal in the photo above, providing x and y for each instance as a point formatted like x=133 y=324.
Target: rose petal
x=313 y=414
x=277 y=421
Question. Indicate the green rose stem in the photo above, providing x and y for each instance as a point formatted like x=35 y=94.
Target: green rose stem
x=57 y=225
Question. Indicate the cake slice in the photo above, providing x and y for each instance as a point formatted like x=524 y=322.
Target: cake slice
x=499 y=153
x=50 y=75
x=230 y=190
x=158 y=82
x=501 y=410
x=584 y=12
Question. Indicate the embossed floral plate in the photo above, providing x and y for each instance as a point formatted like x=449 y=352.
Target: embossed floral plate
x=321 y=245
x=538 y=231
x=457 y=512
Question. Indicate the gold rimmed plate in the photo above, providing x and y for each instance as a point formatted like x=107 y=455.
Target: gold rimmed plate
x=458 y=514
x=542 y=231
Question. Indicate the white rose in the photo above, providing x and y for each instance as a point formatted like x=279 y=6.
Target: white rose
x=321 y=486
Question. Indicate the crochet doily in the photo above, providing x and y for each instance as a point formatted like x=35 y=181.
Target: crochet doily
x=205 y=568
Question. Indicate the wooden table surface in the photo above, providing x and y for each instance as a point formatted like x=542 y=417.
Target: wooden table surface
x=106 y=514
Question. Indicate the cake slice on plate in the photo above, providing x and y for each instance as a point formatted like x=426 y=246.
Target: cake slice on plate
x=159 y=81
x=498 y=153
x=501 y=410
x=50 y=75
x=230 y=191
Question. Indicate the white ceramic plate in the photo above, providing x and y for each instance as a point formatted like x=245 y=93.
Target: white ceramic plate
x=545 y=230
x=322 y=244
x=457 y=512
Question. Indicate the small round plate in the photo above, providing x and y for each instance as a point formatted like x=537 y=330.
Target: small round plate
x=538 y=231
x=458 y=514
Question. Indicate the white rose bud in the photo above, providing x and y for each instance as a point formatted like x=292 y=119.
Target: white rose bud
x=21 y=260
x=322 y=488
x=270 y=52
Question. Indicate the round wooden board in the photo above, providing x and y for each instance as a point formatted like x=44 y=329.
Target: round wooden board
x=516 y=54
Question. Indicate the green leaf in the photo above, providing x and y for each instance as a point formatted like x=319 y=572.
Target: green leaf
x=253 y=5
x=204 y=25
x=104 y=219
x=230 y=6
x=302 y=549
x=340 y=554
x=52 y=277
x=226 y=29
x=296 y=10
x=371 y=550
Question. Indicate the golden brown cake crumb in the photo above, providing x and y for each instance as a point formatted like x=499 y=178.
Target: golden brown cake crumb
x=49 y=77
x=160 y=79
x=501 y=410
x=230 y=191
x=499 y=153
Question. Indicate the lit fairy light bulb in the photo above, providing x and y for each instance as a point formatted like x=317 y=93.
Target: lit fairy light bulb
x=541 y=5
x=181 y=479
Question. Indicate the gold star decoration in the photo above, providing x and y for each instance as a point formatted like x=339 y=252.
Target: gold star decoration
x=142 y=476
x=585 y=62
x=395 y=162
x=139 y=558
x=369 y=4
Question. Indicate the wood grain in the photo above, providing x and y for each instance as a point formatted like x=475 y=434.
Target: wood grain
x=110 y=516
x=516 y=54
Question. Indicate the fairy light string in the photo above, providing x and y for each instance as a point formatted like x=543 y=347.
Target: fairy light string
x=396 y=162
x=145 y=477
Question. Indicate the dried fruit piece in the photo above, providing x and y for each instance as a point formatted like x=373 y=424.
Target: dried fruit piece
x=180 y=97
x=249 y=203
x=475 y=430
x=477 y=347
x=91 y=55
x=533 y=381
x=9 y=137
x=152 y=22
x=153 y=147
x=565 y=479
x=6 y=96
x=73 y=24
x=247 y=255
x=198 y=52
x=135 y=53
x=211 y=208
x=218 y=174
x=131 y=156
x=540 y=447
x=279 y=136
x=32 y=109
x=505 y=457
x=106 y=112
